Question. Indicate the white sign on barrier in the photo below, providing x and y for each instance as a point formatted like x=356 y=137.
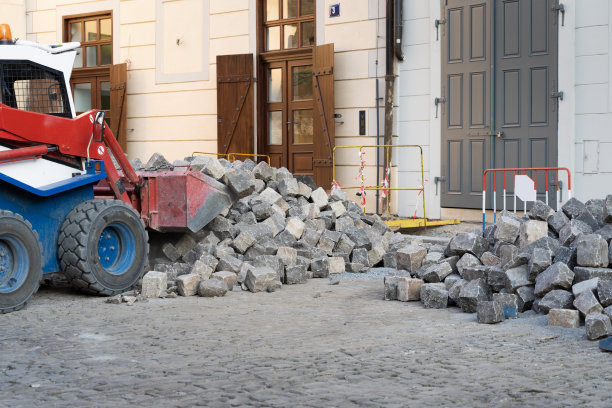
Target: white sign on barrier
x=524 y=187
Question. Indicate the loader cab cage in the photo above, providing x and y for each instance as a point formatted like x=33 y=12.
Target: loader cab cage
x=31 y=87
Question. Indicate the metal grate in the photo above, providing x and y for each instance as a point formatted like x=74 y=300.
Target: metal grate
x=31 y=87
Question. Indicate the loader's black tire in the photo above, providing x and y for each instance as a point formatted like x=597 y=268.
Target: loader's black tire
x=103 y=247
x=20 y=261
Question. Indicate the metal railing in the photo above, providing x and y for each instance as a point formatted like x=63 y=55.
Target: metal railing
x=388 y=187
x=232 y=156
x=516 y=172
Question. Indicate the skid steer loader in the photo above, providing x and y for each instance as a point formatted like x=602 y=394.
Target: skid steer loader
x=63 y=204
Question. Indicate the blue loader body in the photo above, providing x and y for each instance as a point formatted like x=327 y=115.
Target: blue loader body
x=46 y=208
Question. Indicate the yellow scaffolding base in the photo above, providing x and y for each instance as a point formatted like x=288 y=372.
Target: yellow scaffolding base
x=419 y=222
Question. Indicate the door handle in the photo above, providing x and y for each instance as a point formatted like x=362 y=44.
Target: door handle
x=499 y=135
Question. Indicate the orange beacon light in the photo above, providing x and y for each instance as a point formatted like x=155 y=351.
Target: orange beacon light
x=5 y=34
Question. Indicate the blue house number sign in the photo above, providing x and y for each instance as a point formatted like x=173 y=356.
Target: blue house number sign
x=334 y=10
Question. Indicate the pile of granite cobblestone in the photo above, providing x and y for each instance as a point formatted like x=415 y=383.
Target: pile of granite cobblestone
x=553 y=263
x=280 y=230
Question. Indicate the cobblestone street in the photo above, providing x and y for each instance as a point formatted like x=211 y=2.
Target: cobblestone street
x=305 y=345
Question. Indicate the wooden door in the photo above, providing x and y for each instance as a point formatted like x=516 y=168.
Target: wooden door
x=289 y=115
x=118 y=106
x=235 y=104
x=324 y=120
x=276 y=114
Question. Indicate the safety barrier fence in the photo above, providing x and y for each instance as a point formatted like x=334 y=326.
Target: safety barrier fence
x=232 y=156
x=519 y=171
x=385 y=186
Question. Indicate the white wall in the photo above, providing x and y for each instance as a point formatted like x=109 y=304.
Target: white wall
x=418 y=86
x=593 y=110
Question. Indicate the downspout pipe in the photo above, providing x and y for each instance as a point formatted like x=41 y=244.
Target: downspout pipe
x=389 y=81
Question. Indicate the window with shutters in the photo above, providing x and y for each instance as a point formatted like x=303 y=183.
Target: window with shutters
x=90 y=81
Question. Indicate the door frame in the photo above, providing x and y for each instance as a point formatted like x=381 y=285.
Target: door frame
x=493 y=103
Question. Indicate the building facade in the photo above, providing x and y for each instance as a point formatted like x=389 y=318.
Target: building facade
x=482 y=84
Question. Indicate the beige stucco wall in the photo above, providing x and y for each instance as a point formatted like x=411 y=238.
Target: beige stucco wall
x=174 y=118
x=12 y=12
x=178 y=118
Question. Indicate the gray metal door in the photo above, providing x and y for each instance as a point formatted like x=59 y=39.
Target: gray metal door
x=526 y=108
x=465 y=105
x=522 y=106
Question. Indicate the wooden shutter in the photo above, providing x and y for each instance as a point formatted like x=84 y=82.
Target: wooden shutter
x=235 y=104
x=324 y=123
x=118 y=84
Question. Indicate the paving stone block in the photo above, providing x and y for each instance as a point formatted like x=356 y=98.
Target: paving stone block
x=295 y=274
x=555 y=299
x=540 y=211
x=531 y=231
x=170 y=251
x=410 y=257
x=264 y=172
x=188 y=284
x=229 y=278
x=154 y=284
x=572 y=230
x=567 y=318
x=433 y=296
x=467 y=260
x=304 y=190
x=470 y=242
x=496 y=278
x=507 y=228
x=243 y=241
x=489 y=312
x=592 y=251
x=335 y=265
x=241 y=183
x=260 y=279
x=214 y=169
x=472 y=293
x=557 y=221
x=295 y=226
x=471 y=273
x=510 y=304
x=587 y=303
x=229 y=263
x=556 y=276
x=587 y=285
x=489 y=259
x=390 y=283
x=597 y=326
x=526 y=297
x=202 y=269
x=408 y=289
x=584 y=273
x=517 y=277
x=573 y=207
x=435 y=273
x=319 y=197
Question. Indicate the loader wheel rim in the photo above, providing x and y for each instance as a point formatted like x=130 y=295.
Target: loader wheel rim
x=14 y=264
x=116 y=248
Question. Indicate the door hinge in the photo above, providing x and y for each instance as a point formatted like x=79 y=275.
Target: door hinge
x=438 y=179
x=559 y=8
x=438 y=101
x=557 y=95
x=437 y=24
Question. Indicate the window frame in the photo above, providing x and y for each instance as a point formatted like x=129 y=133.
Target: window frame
x=282 y=22
x=98 y=43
